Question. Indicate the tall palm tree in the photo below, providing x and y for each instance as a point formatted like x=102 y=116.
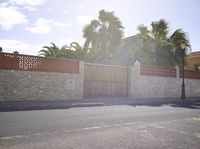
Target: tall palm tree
x=143 y=32
x=158 y=47
x=143 y=52
x=164 y=54
x=160 y=30
x=103 y=35
x=90 y=34
x=176 y=39
x=110 y=32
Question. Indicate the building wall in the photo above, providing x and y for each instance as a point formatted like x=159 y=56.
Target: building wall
x=141 y=86
x=33 y=85
x=192 y=59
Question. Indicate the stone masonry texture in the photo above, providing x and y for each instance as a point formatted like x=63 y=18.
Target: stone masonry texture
x=33 y=85
x=158 y=87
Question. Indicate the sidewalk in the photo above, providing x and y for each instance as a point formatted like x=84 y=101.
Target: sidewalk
x=64 y=104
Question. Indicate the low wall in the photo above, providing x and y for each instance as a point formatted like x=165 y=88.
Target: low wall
x=37 y=85
x=25 y=77
x=142 y=86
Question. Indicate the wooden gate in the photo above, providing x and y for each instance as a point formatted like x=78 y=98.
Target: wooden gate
x=105 y=81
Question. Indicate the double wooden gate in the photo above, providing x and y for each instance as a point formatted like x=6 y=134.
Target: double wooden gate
x=105 y=81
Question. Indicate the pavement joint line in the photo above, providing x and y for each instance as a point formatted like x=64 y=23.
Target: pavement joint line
x=157 y=126
x=108 y=126
x=195 y=119
x=37 y=134
x=12 y=137
x=173 y=130
x=79 y=104
x=132 y=123
x=96 y=127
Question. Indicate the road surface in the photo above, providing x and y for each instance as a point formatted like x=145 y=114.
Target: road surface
x=122 y=126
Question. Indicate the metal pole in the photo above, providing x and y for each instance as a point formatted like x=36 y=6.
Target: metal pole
x=183 y=79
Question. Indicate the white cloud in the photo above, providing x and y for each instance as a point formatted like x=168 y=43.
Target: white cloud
x=80 y=6
x=29 y=8
x=43 y=26
x=49 y=9
x=29 y=5
x=26 y=2
x=10 y=16
x=85 y=19
x=59 y=24
x=4 y=4
x=14 y=45
x=23 y=48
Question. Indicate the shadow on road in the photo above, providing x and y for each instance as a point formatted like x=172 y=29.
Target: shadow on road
x=6 y=106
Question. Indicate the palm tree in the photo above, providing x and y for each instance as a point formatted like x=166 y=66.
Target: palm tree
x=176 y=39
x=53 y=51
x=160 y=30
x=74 y=51
x=181 y=45
x=110 y=32
x=143 y=52
x=78 y=51
x=158 y=47
x=143 y=32
x=164 y=53
x=103 y=35
x=90 y=34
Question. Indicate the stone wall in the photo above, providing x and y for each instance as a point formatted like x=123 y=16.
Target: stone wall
x=33 y=85
x=141 y=86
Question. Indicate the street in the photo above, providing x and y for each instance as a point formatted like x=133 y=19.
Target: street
x=120 y=126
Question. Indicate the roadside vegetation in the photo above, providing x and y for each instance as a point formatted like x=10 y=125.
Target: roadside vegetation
x=159 y=46
x=104 y=34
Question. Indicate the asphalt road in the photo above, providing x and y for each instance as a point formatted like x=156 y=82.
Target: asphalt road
x=118 y=127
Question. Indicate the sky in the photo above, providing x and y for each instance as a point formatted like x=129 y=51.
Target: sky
x=28 y=25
